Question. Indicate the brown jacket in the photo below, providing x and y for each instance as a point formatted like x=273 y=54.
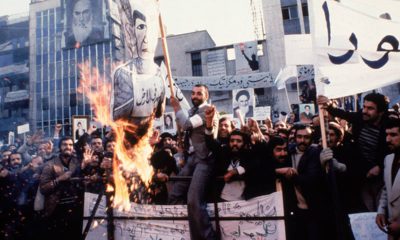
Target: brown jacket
x=57 y=192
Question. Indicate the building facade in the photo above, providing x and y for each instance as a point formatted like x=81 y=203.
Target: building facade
x=55 y=64
x=14 y=73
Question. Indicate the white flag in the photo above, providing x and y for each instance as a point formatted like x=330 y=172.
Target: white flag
x=356 y=45
x=284 y=75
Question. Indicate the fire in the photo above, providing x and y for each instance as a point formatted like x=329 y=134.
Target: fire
x=129 y=162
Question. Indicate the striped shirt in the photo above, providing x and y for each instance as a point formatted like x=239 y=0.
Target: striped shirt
x=368 y=143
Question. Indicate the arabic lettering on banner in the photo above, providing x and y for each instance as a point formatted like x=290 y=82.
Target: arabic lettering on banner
x=349 y=57
x=226 y=83
x=148 y=92
x=268 y=205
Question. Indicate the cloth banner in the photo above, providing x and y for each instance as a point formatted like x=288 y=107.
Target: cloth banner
x=285 y=74
x=356 y=45
x=365 y=228
x=268 y=205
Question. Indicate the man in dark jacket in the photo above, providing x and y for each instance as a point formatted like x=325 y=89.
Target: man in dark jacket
x=368 y=129
x=307 y=177
x=63 y=203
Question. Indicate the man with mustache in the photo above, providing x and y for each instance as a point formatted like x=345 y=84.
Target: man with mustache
x=368 y=130
x=199 y=164
x=307 y=178
x=388 y=217
x=63 y=203
x=83 y=29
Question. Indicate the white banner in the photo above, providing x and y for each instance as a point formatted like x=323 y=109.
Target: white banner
x=268 y=205
x=226 y=83
x=356 y=45
x=365 y=228
x=298 y=49
x=23 y=128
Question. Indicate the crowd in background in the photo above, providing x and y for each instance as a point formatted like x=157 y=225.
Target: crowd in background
x=43 y=180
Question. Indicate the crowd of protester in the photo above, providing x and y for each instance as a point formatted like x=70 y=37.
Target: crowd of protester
x=42 y=181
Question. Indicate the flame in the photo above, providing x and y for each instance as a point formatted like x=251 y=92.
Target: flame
x=129 y=162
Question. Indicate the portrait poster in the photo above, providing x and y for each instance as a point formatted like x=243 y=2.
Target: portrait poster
x=307 y=111
x=85 y=22
x=246 y=57
x=243 y=101
x=80 y=126
x=169 y=122
x=158 y=124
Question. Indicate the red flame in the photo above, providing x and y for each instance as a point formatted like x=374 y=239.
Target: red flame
x=129 y=161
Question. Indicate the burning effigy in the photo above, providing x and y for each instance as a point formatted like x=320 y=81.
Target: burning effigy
x=137 y=96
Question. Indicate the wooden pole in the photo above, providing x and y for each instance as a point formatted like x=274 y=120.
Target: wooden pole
x=287 y=98
x=166 y=55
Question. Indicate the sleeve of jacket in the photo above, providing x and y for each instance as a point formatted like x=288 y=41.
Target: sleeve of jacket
x=348 y=116
x=187 y=122
x=47 y=185
x=383 y=202
x=313 y=175
x=23 y=150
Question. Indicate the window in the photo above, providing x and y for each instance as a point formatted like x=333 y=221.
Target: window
x=196 y=64
x=230 y=52
x=305 y=9
x=290 y=12
x=45 y=103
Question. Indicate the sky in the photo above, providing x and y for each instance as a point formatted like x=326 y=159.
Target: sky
x=227 y=21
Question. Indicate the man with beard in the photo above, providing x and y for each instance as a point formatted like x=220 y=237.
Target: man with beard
x=388 y=217
x=368 y=129
x=233 y=161
x=84 y=30
x=63 y=206
x=307 y=177
x=199 y=165
x=225 y=127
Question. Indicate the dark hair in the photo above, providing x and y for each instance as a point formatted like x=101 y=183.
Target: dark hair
x=381 y=101
x=107 y=142
x=276 y=141
x=63 y=139
x=222 y=119
x=302 y=126
x=336 y=128
x=393 y=123
x=242 y=92
x=202 y=85
x=245 y=136
x=307 y=106
x=283 y=130
x=136 y=14
x=167 y=116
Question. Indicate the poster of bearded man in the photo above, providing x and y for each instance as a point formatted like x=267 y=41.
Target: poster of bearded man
x=83 y=24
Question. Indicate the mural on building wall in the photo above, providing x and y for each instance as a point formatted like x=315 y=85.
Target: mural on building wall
x=85 y=23
x=246 y=57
